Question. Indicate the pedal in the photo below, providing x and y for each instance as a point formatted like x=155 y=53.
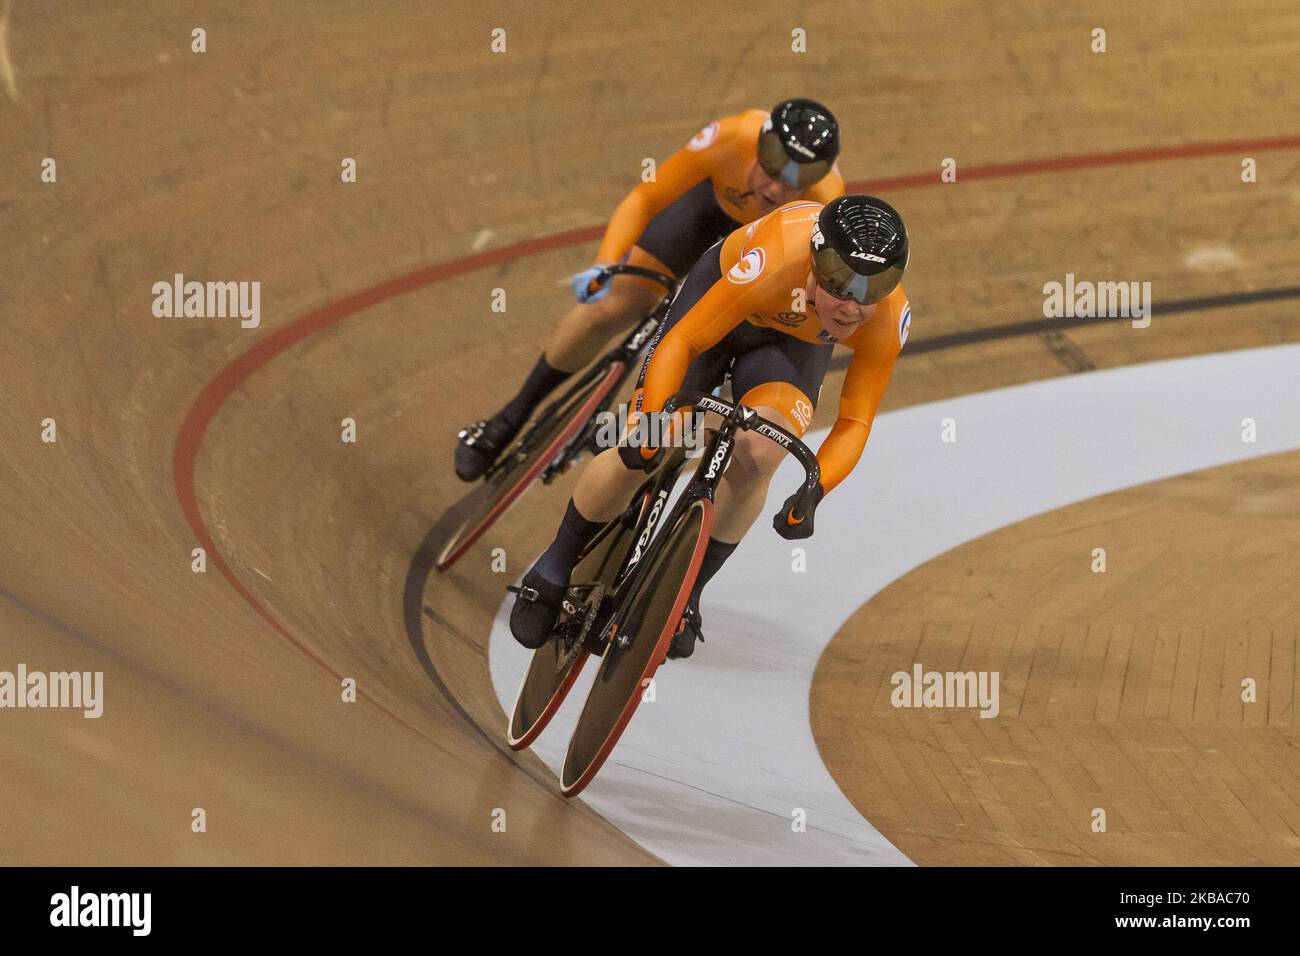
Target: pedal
x=582 y=605
x=507 y=461
x=574 y=449
x=528 y=594
x=552 y=471
x=590 y=609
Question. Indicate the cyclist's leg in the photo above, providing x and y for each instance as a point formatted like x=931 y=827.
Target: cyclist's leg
x=779 y=377
x=587 y=327
x=781 y=380
x=741 y=494
x=605 y=483
x=740 y=497
x=671 y=243
x=572 y=345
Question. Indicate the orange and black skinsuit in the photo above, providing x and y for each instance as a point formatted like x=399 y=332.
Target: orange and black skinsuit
x=738 y=309
x=699 y=194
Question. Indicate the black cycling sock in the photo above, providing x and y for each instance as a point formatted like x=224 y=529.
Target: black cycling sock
x=715 y=556
x=557 y=561
x=541 y=381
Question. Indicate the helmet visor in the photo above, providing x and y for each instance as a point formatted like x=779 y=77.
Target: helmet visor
x=774 y=161
x=836 y=277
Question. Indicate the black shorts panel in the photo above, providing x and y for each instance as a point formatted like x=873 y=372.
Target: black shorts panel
x=682 y=232
x=766 y=355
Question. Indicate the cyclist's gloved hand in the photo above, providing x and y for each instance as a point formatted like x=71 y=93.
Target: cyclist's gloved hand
x=582 y=285
x=794 y=521
x=637 y=454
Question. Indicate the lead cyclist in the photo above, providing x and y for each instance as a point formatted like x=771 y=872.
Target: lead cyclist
x=770 y=302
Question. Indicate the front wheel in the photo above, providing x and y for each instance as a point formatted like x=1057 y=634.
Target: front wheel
x=637 y=645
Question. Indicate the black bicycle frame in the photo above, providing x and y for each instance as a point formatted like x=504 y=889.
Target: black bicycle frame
x=703 y=484
x=626 y=352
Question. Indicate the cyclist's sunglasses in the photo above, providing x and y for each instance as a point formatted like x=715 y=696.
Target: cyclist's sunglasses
x=834 y=275
x=774 y=161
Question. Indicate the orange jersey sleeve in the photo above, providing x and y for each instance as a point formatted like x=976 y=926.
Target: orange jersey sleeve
x=875 y=349
x=724 y=152
x=698 y=160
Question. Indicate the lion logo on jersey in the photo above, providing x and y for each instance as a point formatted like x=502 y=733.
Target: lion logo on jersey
x=704 y=138
x=748 y=267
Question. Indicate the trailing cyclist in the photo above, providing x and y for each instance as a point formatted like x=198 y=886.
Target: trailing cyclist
x=731 y=173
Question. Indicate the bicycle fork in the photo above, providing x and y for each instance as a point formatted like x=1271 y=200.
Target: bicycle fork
x=702 y=485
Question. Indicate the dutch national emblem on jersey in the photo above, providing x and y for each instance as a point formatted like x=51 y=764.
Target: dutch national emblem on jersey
x=704 y=138
x=904 y=323
x=748 y=267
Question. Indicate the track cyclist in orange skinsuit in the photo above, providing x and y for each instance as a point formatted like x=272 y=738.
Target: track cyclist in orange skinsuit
x=770 y=302
x=732 y=172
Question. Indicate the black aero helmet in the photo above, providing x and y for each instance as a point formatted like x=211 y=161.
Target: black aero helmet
x=799 y=142
x=859 y=248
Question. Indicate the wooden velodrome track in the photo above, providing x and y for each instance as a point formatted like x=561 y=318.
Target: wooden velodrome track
x=223 y=689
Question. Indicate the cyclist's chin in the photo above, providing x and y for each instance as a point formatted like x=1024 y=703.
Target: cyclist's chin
x=843 y=326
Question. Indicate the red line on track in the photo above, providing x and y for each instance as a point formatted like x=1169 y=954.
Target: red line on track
x=1056 y=164
x=213 y=395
